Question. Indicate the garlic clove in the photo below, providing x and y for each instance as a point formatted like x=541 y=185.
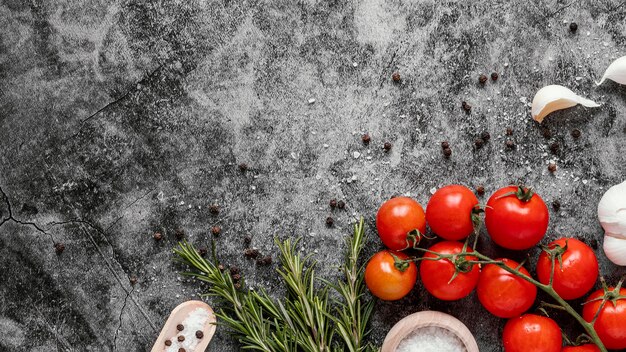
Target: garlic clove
x=612 y=210
x=554 y=97
x=615 y=249
x=616 y=72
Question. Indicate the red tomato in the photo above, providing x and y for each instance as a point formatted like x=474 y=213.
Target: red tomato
x=387 y=282
x=436 y=274
x=504 y=294
x=516 y=221
x=396 y=218
x=532 y=332
x=589 y=347
x=578 y=272
x=611 y=322
x=449 y=212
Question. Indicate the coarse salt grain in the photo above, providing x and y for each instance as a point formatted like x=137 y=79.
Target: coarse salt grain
x=193 y=322
x=429 y=339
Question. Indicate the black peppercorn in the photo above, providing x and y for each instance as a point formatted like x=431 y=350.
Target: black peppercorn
x=366 y=138
x=573 y=27
x=593 y=243
x=510 y=144
x=247 y=240
x=485 y=136
x=181 y=338
x=243 y=167
x=215 y=230
x=157 y=236
x=182 y=350
x=179 y=234
x=234 y=270
x=554 y=148
x=251 y=253
x=482 y=79
x=480 y=190
x=467 y=107
x=447 y=152
x=168 y=343
x=445 y=145
x=341 y=204
x=267 y=260
x=202 y=251
x=59 y=248
x=220 y=267
x=236 y=277
x=494 y=76
x=133 y=280
x=576 y=133
x=509 y=131
x=546 y=133
x=199 y=334
x=478 y=142
x=552 y=167
x=387 y=146
x=396 y=77
x=180 y=327
x=329 y=221
x=333 y=203
x=214 y=209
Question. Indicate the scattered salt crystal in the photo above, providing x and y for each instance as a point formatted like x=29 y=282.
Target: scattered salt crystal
x=432 y=338
x=578 y=78
x=326 y=146
x=354 y=64
x=433 y=190
x=356 y=155
x=311 y=101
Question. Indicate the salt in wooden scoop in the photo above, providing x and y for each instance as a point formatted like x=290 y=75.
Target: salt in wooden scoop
x=189 y=328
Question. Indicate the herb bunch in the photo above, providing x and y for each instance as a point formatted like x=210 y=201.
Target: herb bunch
x=307 y=319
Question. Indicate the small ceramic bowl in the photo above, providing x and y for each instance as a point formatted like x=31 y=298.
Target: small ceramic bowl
x=428 y=318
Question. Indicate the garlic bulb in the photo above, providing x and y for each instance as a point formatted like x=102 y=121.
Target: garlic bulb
x=612 y=216
x=555 y=97
x=616 y=71
x=615 y=249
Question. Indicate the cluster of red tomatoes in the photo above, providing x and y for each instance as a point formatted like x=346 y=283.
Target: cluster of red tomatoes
x=515 y=218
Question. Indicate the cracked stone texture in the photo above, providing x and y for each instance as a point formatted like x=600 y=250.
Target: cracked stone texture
x=123 y=118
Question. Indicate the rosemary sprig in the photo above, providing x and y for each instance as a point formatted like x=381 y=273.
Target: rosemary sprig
x=307 y=320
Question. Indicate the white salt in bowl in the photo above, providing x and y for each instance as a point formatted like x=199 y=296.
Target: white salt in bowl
x=429 y=319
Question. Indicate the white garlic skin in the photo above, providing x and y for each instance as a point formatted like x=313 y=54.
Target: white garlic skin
x=615 y=249
x=616 y=71
x=612 y=211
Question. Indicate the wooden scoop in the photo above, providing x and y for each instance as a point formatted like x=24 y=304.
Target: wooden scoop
x=188 y=314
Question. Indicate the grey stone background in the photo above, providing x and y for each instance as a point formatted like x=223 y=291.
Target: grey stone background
x=122 y=118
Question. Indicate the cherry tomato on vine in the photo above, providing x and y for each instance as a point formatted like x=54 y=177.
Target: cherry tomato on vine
x=516 y=217
x=385 y=280
x=575 y=273
x=611 y=321
x=437 y=274
x=531 y=332
x=589 y=347
x=450 y=211
x=397 y=218
x=503 y=294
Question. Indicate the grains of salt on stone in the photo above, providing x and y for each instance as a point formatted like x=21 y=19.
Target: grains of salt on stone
x=430 y=339
x=193 y=322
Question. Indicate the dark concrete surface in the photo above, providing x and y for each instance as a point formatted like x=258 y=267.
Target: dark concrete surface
x=122 y=118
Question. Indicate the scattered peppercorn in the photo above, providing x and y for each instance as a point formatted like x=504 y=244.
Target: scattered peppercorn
x=243 y=167
x=59 y=248
x=236 y=277
x=179 y=234
x=251 y=253
x=267 y=260
x=509 y=131
x=333 y=203
x=214 y=209
x=157 y=236
x=447 y=152
x=485 y=136
x=247 y=240
x=220 y=267
x=573 y=27
x=552 y=167
x=387 y=146
x=180 y=327
x=576 y=133
x=556 y=205
x=480 y=190
x=445 y=145
x=234 y=270
x=546 y=133
x=341 y=204
x=510 y=144
x=168 y=343
x=494 y=76
x=216 y=230
x=202 y=251
x=554 y=148
x=482 y=79
x=366 y=138
x=467 y=107
x=199 y=334
x=396 y=77
x=181 y=338
x=329 y=221
x=182 y=350
x=478 y=142
x=593 y=243
x=237 y=285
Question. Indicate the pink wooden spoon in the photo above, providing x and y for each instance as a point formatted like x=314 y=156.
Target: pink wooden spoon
x=190 y=327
